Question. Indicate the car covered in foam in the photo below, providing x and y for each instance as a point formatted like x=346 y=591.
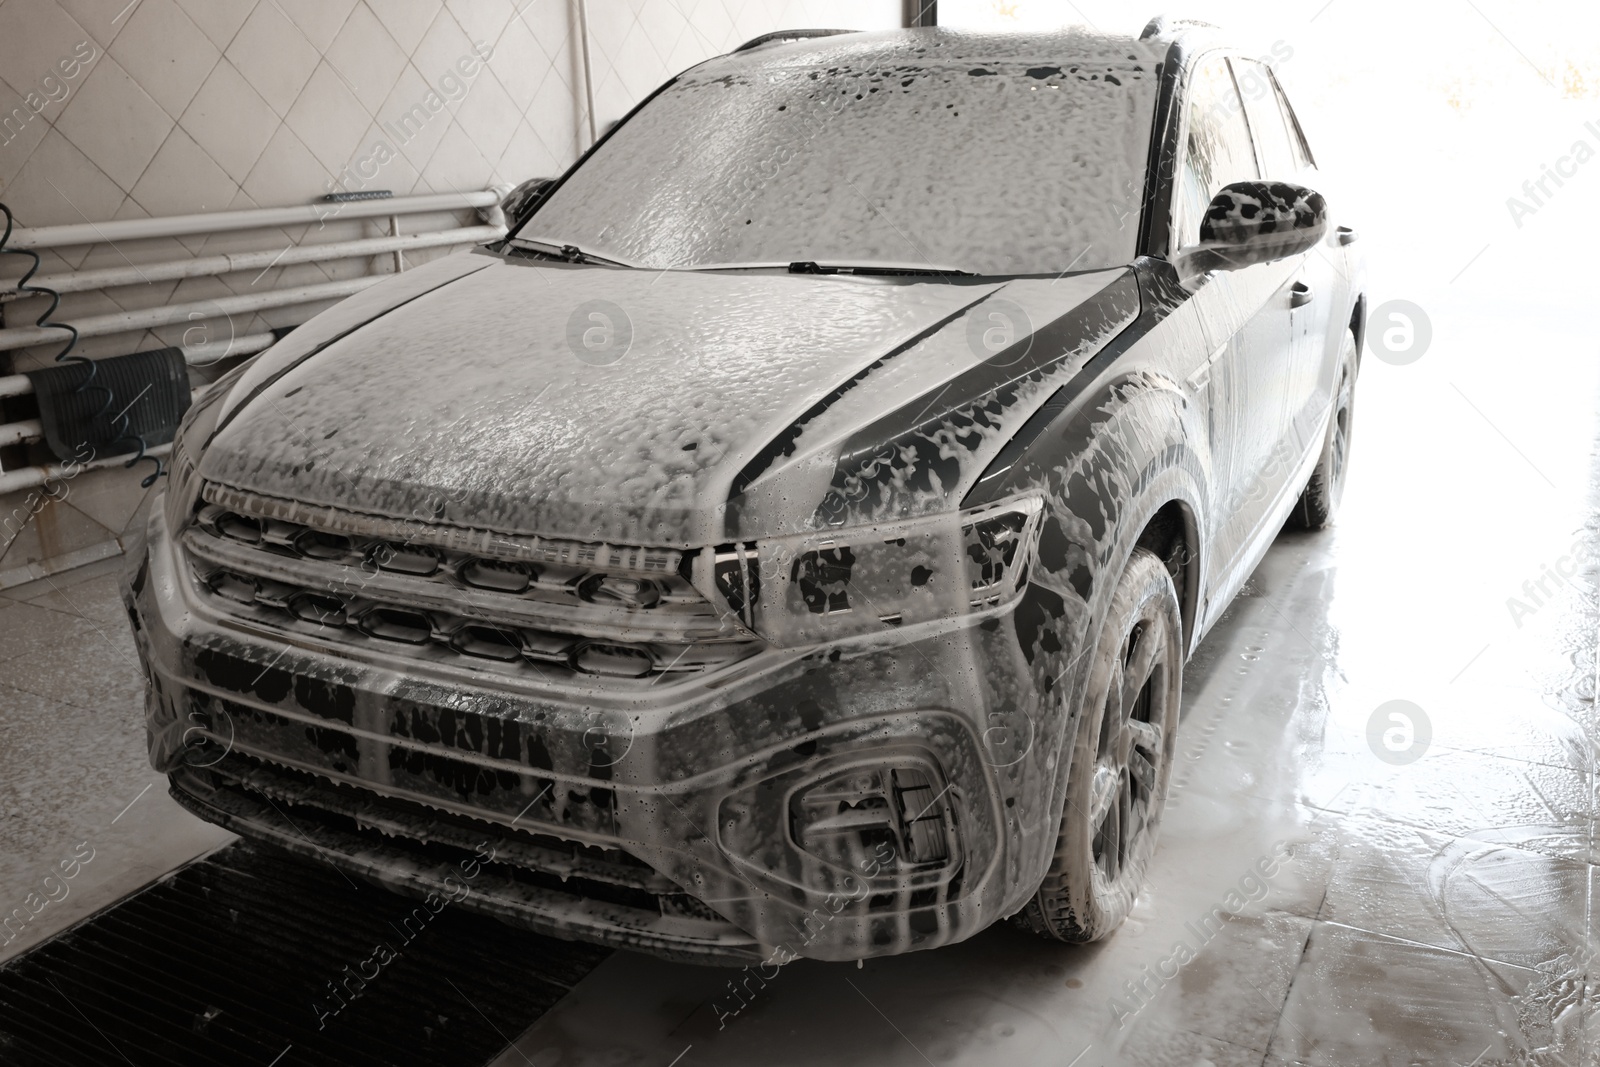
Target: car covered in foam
x=788 y=540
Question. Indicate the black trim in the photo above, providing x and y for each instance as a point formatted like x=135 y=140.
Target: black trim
x=1155 y=221
x=1159 y=296
x=1036 y=353
x=919 y=13
x=976 y=396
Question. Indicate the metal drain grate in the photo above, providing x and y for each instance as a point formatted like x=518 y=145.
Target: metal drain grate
x=229 y=961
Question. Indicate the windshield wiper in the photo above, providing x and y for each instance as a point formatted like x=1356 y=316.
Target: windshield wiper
x=568 y=253
x=806 y=266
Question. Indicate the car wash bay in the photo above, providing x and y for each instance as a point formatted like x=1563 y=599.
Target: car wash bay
x=1335 y=885
x=1380 y=846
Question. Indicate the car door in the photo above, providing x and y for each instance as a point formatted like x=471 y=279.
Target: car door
x=1317 y=286
x=1246 y=315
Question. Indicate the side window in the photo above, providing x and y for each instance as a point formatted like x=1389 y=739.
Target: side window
x=1216 y=147
x=1267 y=123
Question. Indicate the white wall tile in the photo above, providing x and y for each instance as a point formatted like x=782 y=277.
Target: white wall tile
x=166 y=53
x=482 y=20
x=552 y=24
x=557 y=121
x=519 y=63
x=273 y=55
x=115 y=123
x=410 y=119
x=287 y=173
x=445 y=43
x=526 y=156
x=328 y=118
x=488 y=114
x=639 y=66
x=183 y=178
x=390 y=169
x=230 y=120
x=219 y=19
x=368 y=57
x=103 y=19
x=34 y=35
x=609 y=23
x=21 y=130
x=661 y=25
x=407 y=20
x=456 y=164
x=319 y=20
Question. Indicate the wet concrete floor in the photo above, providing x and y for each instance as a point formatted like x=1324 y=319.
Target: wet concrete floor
x=1336 y=885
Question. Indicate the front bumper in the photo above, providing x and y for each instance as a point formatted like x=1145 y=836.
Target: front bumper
x=662 y=820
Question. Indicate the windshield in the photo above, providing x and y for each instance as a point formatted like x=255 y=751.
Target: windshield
x=1016 y=167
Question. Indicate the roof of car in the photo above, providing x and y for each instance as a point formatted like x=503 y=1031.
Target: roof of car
x=939 y=47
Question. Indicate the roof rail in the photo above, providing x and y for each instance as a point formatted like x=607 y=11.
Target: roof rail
x=786 y=35
x=1161 y=25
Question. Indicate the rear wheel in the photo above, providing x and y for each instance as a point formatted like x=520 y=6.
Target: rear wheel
x=1121 y=761
x=1320 y=500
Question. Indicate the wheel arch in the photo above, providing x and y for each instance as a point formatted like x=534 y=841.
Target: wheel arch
x=1173 y=534
x=1358 y=325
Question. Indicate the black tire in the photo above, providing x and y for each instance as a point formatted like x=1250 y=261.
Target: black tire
x=1319 y=501
x=1121 y=761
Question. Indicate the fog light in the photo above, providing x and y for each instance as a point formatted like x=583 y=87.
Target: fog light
x=850 y=818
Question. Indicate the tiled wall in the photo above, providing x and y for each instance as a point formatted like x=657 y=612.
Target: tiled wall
x=111 y=109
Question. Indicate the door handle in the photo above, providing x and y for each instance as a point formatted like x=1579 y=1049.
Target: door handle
x=1300 y=295
x=1347 y=236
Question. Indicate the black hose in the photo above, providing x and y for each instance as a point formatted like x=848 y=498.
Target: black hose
x=120 y=423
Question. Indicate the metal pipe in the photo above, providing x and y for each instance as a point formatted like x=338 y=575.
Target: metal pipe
x=588 y=81
x=33 y=477
x=14 y=433
x=108 y=277
x=88 y=233
x=194 y=355
x=222 y=307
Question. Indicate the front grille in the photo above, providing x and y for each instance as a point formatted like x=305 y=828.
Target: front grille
x=559 y=608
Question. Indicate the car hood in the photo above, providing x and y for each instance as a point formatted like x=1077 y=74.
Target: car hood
x=577 y=401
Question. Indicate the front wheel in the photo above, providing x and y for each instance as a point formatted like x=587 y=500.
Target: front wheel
x=1121 y=761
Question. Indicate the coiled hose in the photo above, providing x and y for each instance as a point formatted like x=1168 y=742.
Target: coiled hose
x=120 y=423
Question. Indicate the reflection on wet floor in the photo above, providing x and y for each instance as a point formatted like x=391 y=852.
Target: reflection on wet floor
x=1335 y=886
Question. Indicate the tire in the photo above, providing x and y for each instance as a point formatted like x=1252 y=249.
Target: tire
x=1319 y=501
x=1118 y=777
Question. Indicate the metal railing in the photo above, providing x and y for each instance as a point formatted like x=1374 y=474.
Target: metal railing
x=486 y=202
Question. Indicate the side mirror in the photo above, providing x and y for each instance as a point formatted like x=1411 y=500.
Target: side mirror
x=518 y=204
x=1255 y=222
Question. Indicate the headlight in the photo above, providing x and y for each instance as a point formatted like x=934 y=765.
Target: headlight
x=866 y=580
